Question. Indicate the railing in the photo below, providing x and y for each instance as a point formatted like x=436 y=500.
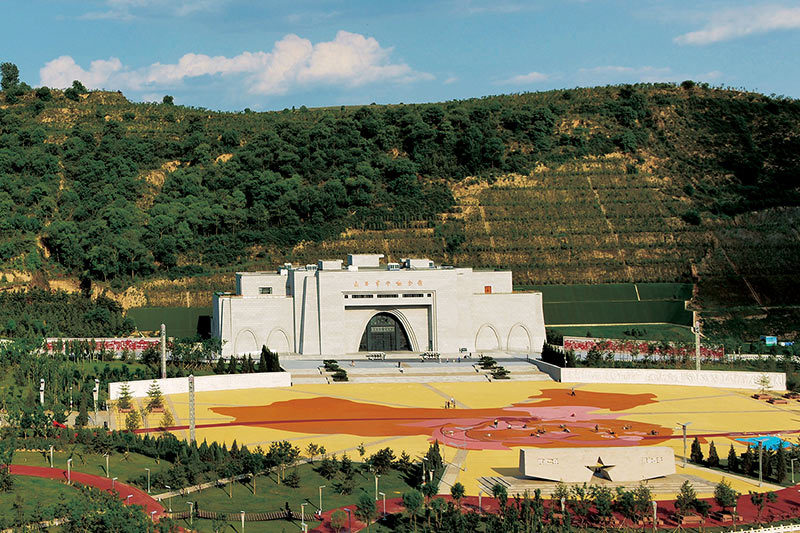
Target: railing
x=774 y=529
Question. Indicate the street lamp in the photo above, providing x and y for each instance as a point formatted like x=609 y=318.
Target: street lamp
x=383 y=494
x=480 y=501
x=170 y=497
x=153 y=516
x=349 y=520
x=191 y=511
x=683 y=425
x=69 y=471
x=70 y=399
x=113 y=481
x=51 y=459
x=320 y=498
x=791 y=462
x=128 y=499
x=242 y=512
x=303 y=512
x=377 y=476
x=148 y=480
x=655 y=517
x=106 y=456
x=423 y=470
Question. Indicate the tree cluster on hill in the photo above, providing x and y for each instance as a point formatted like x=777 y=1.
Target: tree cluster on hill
x=37 y=312
x=125 y=190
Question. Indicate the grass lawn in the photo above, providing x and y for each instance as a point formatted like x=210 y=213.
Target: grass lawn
x=272 y=497
x=650 y=332
x=120 y=467
x=37 y=493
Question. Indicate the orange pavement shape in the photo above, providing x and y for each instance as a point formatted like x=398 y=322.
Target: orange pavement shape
x=557 y=419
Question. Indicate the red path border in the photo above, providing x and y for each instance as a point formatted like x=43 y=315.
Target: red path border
x=139 y=497
x=787 y=506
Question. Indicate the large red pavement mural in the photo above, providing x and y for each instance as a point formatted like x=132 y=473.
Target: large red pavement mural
x=554 y=418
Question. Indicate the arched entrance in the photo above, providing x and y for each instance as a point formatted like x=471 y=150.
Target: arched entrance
x=384 y=333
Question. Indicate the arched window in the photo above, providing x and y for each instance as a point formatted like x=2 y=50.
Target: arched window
x=384 y=333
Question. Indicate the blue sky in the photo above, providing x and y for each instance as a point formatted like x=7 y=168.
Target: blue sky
x=232 y=54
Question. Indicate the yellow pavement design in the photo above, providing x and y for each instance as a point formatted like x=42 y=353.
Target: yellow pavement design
x=709 y=410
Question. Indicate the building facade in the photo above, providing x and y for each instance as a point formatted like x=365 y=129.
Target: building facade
x=333 y=309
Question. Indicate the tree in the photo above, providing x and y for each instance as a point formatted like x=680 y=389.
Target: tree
x=262 y=360
x=696 y=455
x=457 y=492
x=764 y=384
x=724 y=495
x=155 y=399
x=733 y=460
x=381 y=461
x=501 y=495
x=7 y=447
x=603 y=500
x=338 y=520
x=365 y=508
x=412 y=501
x=132 y=420
x=124 y=400
x=168 y=100
x=760 y=500
x=79 y=87
x=10 y=76
x=780 y=464
x=684 y=502
x=219 y=368
x=747 y=461
x=232 y=365
x=713 y=458
x=167 y=421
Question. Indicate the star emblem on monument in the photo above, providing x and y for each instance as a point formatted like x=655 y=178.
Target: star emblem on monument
x=600 y=469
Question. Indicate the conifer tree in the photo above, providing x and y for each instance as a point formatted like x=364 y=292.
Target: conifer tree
x=232 y=365
x=155 y=399
x=219 y=368
x=124 y=400
x=713 y=458
x=747 y=461
x=780 y=464
x=262 y=360
x=733 y=460
x=696 y=454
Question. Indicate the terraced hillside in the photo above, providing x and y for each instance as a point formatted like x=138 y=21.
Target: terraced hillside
x=157 y=205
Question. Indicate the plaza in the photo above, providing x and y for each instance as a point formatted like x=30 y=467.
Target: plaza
x=481 y=437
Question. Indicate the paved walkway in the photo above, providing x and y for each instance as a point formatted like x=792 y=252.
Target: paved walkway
x=139 y=497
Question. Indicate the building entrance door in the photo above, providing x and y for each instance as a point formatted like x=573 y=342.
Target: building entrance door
x=384 y=333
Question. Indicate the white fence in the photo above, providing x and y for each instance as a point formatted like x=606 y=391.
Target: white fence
x=724 y=379
x=258 y=380
x=773 y=529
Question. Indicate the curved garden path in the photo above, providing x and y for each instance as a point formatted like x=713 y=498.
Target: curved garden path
x=139 y=496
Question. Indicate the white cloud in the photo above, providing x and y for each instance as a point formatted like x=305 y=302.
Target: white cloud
x=735 y=23
x=61 y=71
x=451 y=79
x=349 y=60
x=525 y=79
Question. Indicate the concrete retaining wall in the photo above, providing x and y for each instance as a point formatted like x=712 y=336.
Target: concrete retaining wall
x=705 y=378
x=257 y=380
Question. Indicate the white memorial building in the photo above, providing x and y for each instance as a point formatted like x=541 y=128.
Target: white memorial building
x=332 y=309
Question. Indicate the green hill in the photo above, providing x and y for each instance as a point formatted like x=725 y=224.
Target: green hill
x=619 y=184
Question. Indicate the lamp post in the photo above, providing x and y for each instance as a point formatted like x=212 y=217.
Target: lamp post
x=349 y=520
x=128 y=499
x=480 y=501
x=41 y=391
x=320 y=498
x=148 y=480
x=153 y=516
x=242 y=513
x=734 y=517
x=383 y=494
x=377 y=476
x=51 y=459
x=69 y=471
x=170 y=497
x=791 y=462
x=423 y=470
x=760 y=455
x=696 y=330
x=106 y=456
x=303 y=512
x=655 y=515
x=113 y=482
x=683 y=425
x=70 y=399
x=191 y=511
